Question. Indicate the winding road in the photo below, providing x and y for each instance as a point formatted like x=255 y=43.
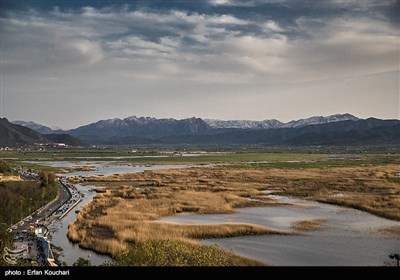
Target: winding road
x=44 y=212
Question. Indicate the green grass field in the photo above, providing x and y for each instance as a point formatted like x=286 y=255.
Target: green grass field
x=19 y=158
x=262 y=158
x=324 y=162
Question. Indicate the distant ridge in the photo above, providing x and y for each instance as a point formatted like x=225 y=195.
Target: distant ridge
x=321 y=120
x=212 y=123
x=246 y=124
x=35 y=126
x=14 y=135
x=362 y=132
x=135 y=129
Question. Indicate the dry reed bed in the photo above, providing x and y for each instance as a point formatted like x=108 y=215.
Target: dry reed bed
x=393 y=231
x=309 y=225
x=127 y=209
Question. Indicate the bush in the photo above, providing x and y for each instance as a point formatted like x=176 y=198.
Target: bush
x=82 y=262
x=5 y=168
x=171 y=253
x=47 y=179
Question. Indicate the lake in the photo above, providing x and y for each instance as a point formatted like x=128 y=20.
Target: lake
x=349 y=238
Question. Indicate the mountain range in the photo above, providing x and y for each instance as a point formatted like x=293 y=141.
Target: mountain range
x=160 y=127
x=117 y=131
x=360 y=132
x=14 y=135
x=272 y=123
x=39 y=127
x=339 y=129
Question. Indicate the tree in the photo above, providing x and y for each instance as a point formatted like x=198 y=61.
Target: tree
x=5 y=168
x=44 y=178
x=47 y=178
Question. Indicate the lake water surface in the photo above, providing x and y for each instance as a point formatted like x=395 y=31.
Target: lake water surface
x=350 y=237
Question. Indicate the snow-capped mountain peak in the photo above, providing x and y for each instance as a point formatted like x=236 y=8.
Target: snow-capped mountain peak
x=320 y=120
x=37 y=127
x=243 y=124
x=272 y=123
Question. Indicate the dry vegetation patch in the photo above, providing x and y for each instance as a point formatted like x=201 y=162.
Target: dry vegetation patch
x=178 y=253
x=127 y=209
x=9 y=178
x=309 y=225
x=393 y=231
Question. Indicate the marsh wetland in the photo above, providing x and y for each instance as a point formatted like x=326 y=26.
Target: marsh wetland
x=232 y=209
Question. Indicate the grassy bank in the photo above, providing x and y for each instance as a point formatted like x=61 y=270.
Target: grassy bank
x=178 y=253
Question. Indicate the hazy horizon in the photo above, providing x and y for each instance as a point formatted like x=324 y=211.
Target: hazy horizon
x=70 y=63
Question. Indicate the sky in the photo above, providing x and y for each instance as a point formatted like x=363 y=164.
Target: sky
x=70 y=63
